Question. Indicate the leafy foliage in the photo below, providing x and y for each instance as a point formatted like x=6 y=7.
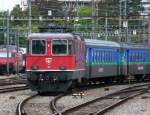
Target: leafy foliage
x=41 y=8
x=85 y=11
x=17 y=13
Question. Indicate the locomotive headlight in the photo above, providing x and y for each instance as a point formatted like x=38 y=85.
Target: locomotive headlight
x=62 y=68
x=35 y=67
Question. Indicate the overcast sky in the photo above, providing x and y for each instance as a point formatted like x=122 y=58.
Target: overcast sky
x=8 y=4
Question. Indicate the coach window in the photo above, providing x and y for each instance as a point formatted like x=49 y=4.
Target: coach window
x=100 y=56
x=97 y=56
x=38 y=46
x=104 y=56
x=133 y=56
x=59 y=47
x=130 y=56
x=148 y=55
x=109 y=56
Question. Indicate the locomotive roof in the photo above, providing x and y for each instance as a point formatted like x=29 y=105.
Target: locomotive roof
x=51 y=35
x=103 y=43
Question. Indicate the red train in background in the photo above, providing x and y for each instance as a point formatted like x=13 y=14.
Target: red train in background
x=10 y=57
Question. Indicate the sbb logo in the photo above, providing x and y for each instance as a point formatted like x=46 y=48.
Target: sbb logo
x=48 y=61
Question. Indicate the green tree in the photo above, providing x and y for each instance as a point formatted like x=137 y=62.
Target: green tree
x=85 y=11
x=2 y=24
x=112 y=7
x=1 y=21
x=17 y=13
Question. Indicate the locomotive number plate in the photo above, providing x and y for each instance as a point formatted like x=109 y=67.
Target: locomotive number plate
x=48 y=61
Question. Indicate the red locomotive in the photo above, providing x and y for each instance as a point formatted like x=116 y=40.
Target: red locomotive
x=10 y=57
x=54 y=61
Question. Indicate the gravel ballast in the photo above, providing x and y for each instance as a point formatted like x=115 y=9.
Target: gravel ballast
x=40 y=105
x=9 y=101
x=138 y=106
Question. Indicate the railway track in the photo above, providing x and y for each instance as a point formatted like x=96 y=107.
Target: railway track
x=55 y=111
x=17 y=79
x=53 y=105
x=19 y=110
x=14 y=88
x=21 y=106
x=103 y=104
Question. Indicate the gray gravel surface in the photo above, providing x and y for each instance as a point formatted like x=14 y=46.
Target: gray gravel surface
x=138 y=106
x=9 y=101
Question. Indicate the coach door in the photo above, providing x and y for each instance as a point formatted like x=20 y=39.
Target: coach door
x=123 y=61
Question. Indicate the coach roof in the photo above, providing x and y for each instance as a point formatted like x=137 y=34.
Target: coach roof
x=50 y=35
x=135 y=46
x=94 y=42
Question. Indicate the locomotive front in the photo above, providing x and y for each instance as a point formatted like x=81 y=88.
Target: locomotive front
x=51 y=62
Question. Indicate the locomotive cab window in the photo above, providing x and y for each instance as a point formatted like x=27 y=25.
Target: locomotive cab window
x=38 y=47
x=59 y=47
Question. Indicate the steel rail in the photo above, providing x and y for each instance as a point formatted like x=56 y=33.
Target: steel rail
x=139 y=92
x=53 y=106
x=19 y=110
x=11 y=89
x=101 y=112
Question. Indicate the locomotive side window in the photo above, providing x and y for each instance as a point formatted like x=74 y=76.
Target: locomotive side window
x=59 y=47
x=38 y=46
x=70 y=47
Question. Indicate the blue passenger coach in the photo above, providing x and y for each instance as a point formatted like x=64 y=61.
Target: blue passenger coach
x=102 y=59
x=107 y=60
x=138 y=60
